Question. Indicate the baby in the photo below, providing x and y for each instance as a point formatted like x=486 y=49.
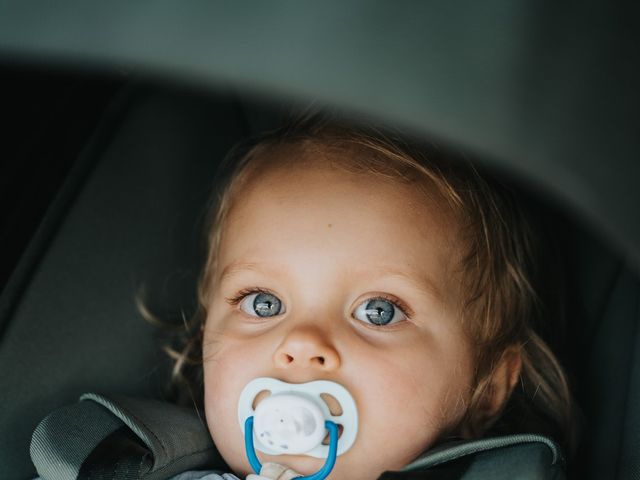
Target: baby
x=345 y=255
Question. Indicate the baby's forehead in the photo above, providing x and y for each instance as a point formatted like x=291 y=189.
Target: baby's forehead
x=302 y=196
x=277 y=170
x=311 y=184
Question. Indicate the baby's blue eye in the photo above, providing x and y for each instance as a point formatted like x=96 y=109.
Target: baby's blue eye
x=379 y=311
x=261 y=305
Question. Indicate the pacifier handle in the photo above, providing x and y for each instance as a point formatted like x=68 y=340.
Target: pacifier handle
x=319 y=475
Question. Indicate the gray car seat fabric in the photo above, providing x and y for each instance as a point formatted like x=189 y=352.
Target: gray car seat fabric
x=611 y=387
x=130 y=216
x=601 y=351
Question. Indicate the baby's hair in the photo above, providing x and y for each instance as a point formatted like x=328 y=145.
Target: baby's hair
x=501 y=310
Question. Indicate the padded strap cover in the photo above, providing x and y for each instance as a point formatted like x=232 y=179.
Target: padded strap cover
x=63 y=440
x=522 y=456
x=172 y=439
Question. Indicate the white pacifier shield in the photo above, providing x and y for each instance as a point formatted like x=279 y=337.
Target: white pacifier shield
x=291 y=420
x=289 y=423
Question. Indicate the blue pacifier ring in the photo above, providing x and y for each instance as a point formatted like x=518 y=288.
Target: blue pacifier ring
x=319 y=475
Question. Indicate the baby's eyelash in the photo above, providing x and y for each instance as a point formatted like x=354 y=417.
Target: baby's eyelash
x=235 y=300
x=404 y=308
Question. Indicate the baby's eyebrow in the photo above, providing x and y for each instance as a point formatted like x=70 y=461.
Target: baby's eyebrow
x=239 y=266
x=418 y=281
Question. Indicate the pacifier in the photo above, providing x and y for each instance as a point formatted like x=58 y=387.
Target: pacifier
x=294 y=420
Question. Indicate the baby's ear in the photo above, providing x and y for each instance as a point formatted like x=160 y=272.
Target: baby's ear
x=500 y=385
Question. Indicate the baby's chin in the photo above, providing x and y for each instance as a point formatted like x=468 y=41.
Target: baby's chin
x=302 y=464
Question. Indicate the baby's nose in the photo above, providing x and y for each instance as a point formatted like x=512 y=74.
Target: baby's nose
x=306 y=348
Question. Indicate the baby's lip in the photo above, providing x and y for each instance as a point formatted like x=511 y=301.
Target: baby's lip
x=332 y=402
x=259 y=397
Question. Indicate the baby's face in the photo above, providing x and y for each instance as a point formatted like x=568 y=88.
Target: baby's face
x=325 y=245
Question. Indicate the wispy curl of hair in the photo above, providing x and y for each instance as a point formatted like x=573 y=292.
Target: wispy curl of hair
x=181 y=341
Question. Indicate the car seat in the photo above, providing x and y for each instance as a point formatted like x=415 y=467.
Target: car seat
x=129 y=215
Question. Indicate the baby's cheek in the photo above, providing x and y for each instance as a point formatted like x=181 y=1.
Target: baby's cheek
x=228 y=445
x=223 y=373
x=220 y=408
